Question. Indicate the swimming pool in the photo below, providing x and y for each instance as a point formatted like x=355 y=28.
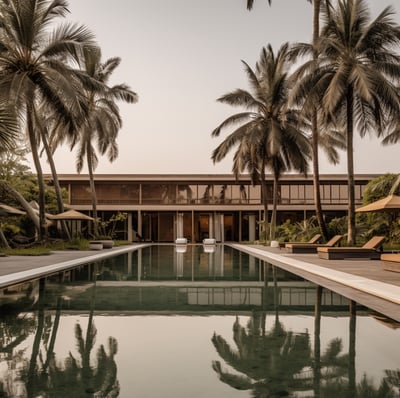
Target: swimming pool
x=194 y=323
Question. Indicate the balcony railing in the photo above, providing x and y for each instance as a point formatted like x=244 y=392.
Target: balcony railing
x=211 y=202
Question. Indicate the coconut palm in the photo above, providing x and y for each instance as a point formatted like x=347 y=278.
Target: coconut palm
x=317 y=139
x=271 y=135
x=34 y=64
x=103 y=121
x=353 y=77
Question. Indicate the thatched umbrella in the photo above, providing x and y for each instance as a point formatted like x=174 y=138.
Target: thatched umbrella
x=73 y=216
x=389 y=204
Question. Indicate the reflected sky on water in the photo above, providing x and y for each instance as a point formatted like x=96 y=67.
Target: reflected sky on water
x=102 y=331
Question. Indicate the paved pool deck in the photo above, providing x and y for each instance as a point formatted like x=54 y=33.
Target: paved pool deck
x=364 y=281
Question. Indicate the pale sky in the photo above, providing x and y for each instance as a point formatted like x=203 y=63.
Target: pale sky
x=179 y=56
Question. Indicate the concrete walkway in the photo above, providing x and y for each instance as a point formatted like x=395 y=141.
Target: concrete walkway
x=16 y=269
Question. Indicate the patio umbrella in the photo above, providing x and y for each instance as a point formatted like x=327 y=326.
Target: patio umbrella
x=389 y=203
x=71 y=215
x=74 y=217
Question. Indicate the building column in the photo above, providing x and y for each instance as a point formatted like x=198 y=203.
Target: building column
x=219 y=227
x=139 y=223
x=252 y=227
x=240 y=226
x=179 y=225
x=130 y=229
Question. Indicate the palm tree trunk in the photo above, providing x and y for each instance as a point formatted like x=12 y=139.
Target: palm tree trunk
x=93 y=192
x=3 y=240
x=38 y=337
x=27 y=207
x=274 y=207
x=264 y=194
x=315 y=141
x=352 y=350
x=395 y=185
x=57 y=188
x=316 y=181
x=38 y=167
x=351 y=215
x=317 y=341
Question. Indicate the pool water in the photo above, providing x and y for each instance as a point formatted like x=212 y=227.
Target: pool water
x=158 y=323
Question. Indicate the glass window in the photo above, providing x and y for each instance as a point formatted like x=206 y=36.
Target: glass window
x=309 y=193
x=159 y=193
x=239 y=193
x=335 y=193
x=343 y=194
x=187 y=193
x=130 y=192
x=358 y=193
x=285 y=194
x=222 y=193
x=205 y=193
x=254 y=194
x=80 y=194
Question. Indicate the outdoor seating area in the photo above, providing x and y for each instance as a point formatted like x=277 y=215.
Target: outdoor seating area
x=181 y=241
x=315 y=239
x=370 y=250
x=312 y=247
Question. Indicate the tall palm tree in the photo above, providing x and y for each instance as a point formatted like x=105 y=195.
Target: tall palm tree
x=270 y=134
x=316 y=140
x=103 y=121
x=34 y=64
x=353 y=78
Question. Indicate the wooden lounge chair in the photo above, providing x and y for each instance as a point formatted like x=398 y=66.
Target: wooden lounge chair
x=311 y=247
x=316 y=238
x=370 y=250
x=391 y=261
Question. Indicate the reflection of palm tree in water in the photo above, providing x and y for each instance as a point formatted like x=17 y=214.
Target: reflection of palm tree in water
x=76 y=378
x=275 y=363
x=268 y=362
x=102 y=380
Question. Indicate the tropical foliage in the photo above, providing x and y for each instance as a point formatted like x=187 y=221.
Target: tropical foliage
x=36 y=65
x=271 y=135
x=103 y=121
x=352 y=80
x=54 y=86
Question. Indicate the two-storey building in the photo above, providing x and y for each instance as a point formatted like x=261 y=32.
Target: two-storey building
x=161 y=208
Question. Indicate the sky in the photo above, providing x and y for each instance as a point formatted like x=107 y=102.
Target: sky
x=179 y=56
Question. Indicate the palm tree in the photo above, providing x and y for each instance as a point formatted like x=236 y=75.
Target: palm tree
x=103 y=121
x=272 y=135
x=34 y=65
x=316 y=137
x=45 y=121
x=354 y=77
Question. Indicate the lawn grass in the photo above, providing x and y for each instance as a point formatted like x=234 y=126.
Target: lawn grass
x=47 y=248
